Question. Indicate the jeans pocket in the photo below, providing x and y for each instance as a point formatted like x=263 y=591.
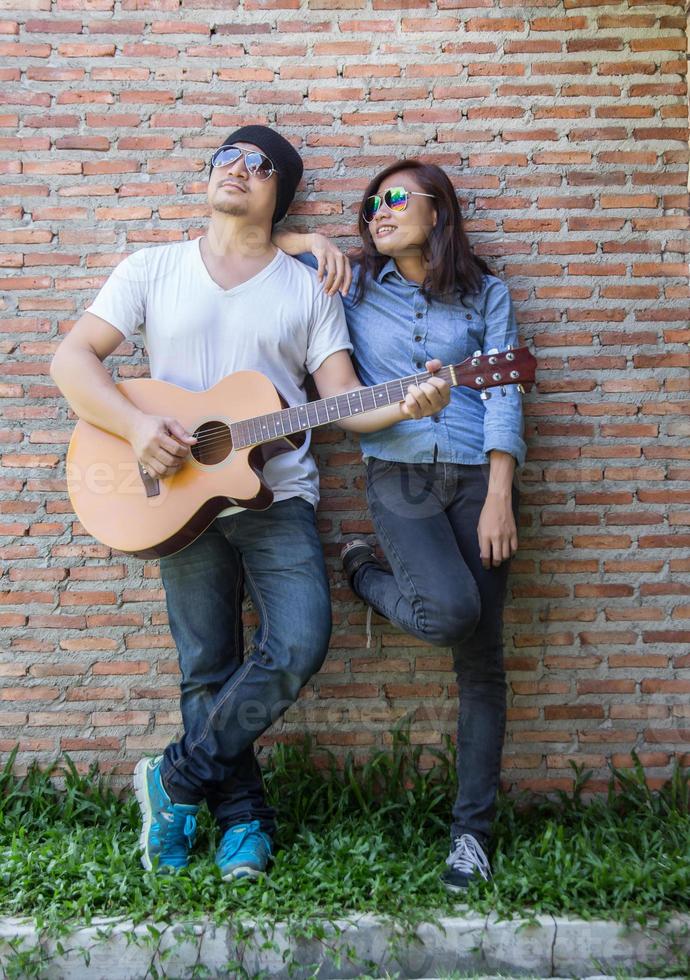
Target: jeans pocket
x=376 y=468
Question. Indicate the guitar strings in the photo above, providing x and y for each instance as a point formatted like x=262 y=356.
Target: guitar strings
x=216 y=435
x=222 y=431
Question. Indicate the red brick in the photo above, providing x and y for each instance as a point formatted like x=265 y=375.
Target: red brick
x=599 y=281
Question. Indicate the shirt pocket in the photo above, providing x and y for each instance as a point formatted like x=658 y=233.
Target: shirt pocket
x=476 y=328
x=462 y=334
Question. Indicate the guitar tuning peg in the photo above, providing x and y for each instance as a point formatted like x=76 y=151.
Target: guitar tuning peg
x=494 y=350
x=477 y=353
x=485 y=395
x=509 y=347
x=521 y=389
x=503 y=391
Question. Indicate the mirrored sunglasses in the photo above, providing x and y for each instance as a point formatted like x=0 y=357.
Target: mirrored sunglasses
x=257 y=163
x=395 y=198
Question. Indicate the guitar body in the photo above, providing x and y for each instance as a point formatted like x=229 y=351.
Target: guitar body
x=148 y=517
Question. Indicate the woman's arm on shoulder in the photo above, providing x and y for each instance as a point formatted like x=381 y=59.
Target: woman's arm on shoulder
x=332 y=265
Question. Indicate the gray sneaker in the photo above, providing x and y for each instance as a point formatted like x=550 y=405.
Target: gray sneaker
x=353 y=555
x=466 y=862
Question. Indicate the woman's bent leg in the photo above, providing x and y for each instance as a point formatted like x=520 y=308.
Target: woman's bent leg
x=430 y=591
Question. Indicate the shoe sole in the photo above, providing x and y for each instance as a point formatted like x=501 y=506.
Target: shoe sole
x=243 y=871
x=456 y=889
x=352 y=565
x=142 y=794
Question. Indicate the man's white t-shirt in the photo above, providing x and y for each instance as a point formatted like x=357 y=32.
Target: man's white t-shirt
x=279 y=322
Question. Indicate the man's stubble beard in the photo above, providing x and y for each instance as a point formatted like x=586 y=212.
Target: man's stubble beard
x=234 y=208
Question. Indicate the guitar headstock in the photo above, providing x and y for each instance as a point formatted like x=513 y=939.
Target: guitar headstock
x=497 y=369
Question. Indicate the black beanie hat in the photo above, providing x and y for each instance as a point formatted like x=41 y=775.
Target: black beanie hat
x=286 y=161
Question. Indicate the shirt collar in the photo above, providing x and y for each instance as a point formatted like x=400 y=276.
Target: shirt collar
x=389 y=267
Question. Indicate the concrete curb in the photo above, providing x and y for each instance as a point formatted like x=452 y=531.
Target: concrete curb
x=115 y=949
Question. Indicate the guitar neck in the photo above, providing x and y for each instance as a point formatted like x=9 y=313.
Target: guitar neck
x=514 y=366
x=298 y=418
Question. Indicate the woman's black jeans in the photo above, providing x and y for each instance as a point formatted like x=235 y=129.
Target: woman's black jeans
x=426 y=518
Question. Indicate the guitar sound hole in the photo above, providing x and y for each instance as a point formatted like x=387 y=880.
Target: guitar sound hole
x=214 y=443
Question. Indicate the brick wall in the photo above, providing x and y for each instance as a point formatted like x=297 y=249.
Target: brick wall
x=563 y=126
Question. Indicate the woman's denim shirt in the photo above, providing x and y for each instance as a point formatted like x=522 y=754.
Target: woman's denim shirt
x=395 y=330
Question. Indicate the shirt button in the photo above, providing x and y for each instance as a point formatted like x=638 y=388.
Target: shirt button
x=436 y=418
x=418 y=338
x=419 y=364
x=468 y=315
x=419 y=315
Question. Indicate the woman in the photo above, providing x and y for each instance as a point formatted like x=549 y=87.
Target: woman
x=441 y=492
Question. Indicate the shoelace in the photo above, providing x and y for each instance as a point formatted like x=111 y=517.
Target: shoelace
x=233 y=841
x=178 y=837
x=469 y=857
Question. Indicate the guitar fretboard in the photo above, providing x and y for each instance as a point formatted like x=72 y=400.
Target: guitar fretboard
x=297 y=418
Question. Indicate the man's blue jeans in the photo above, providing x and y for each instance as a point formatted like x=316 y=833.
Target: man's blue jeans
x=426 y=518
x=228 y=699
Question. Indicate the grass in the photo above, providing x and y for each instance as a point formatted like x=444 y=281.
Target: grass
x=360 y=839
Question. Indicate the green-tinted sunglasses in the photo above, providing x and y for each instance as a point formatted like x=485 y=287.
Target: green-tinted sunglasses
x=395 y=198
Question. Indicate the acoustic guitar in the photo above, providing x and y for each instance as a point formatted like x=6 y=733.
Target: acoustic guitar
x=239 y=423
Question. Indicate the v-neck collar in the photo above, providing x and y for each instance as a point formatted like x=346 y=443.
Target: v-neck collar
x=266 y=271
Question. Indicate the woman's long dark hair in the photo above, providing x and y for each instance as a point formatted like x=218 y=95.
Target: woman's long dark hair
x=453 y=266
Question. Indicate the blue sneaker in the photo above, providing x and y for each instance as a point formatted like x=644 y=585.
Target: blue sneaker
x=168 y=828
x=244 y=851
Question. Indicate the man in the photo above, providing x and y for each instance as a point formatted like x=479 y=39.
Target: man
x=228 y=301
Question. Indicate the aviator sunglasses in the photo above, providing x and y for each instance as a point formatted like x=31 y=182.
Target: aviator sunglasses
x=395 y=198
x=257 y=163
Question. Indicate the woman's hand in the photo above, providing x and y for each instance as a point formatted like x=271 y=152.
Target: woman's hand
x=333 y=264
x=496 y=530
